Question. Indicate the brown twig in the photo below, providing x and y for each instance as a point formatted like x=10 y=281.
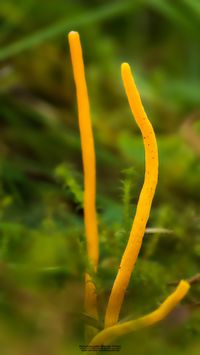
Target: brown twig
x=192 y=280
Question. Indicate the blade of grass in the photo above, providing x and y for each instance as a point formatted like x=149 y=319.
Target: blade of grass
x=194 y=6
x=174 y=14
x=89 y=17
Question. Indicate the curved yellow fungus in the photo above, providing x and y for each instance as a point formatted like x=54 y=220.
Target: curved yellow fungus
x=89 y=167
x=145 y=199
x=107 y=335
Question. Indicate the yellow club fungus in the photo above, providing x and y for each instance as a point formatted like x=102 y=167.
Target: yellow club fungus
x=89 y=167
x=145 y=199
x=113 y=330
x=107 y=335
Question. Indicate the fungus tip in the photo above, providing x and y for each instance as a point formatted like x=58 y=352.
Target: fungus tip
x=72 y=34
x=184 y=285
x=125 y=66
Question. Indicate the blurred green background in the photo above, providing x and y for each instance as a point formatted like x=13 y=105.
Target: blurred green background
x=42 y=245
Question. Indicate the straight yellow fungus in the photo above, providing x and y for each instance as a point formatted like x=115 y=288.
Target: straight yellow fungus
x=107 y=335
x=89 y=167
x=145 y=199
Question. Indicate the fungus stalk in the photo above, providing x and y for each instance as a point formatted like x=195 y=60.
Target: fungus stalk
x=144 y=203
x=107 y=335
x=89 y=167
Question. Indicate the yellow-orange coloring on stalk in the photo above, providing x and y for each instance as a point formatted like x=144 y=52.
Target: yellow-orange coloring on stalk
x=107 y=335
x=89 y=167
x=144 y=203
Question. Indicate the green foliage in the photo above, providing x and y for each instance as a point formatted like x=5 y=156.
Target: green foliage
x=42 y=243
x=65 y=174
